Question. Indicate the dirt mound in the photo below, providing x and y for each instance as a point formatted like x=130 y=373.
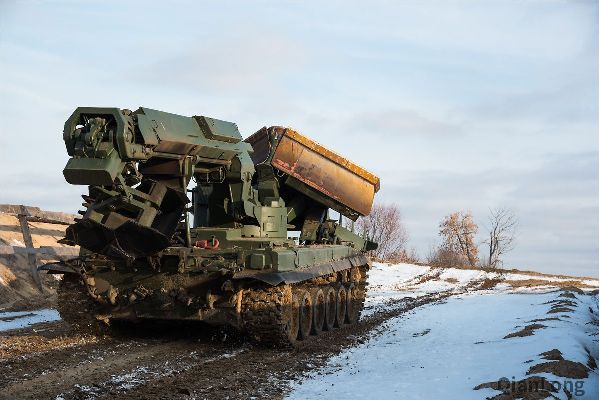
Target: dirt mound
x=531 y=388
x=37 y=212
x=18 y=289
x=553 y=354
x=528 y=330
x=563 y=368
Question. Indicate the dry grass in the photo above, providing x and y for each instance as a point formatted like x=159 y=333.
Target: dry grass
x=519 y=272
x=545 y=282
x=490 y=283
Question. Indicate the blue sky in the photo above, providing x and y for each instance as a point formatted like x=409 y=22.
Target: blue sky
x=457 y=105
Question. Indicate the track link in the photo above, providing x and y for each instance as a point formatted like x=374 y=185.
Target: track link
x=272 y=316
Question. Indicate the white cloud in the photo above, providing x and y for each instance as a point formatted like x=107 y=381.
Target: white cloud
x=556 y=204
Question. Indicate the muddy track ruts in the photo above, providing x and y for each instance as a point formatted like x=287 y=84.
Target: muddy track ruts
x=191 y=365
x=264 y=372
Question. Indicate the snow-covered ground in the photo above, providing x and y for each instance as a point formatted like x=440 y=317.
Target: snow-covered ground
x=389 y=283
x=22 y=319
x=444 y=350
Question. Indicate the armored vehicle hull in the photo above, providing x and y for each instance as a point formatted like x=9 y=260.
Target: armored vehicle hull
x=278 y=314
x=236 y=264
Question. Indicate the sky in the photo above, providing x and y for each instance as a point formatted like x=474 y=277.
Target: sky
x=456 y=105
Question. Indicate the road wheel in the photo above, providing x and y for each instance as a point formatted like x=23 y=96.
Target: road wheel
x=341 y=306
x=330 y=307
x=318 y=312
x=306 y=314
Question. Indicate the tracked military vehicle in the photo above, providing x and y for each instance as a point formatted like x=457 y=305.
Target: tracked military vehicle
x=235 y=262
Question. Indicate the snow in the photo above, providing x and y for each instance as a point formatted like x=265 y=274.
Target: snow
x=17 y=242
x=388 y=283
x=591 y=282
x=22 y=319
x=445 y=349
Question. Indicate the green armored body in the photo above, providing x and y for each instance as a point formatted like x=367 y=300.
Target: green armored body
x=235 y=264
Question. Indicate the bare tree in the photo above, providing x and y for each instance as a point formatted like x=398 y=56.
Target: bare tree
x=384 y=226
x=501 y=235
x=457 y=231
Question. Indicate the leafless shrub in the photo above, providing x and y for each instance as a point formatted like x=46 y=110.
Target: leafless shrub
x=384 y=226
x=404 y=256
x=500 y=236
x=442 y=257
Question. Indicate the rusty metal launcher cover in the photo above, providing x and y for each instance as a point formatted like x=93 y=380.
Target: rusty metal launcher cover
x=350 y=187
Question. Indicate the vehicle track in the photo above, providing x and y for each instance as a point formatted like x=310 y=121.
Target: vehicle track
x=192 y=363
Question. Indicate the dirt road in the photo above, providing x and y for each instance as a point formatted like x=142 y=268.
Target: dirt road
x=50 y=362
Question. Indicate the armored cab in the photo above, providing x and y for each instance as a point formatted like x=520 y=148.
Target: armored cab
x=184 y=219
